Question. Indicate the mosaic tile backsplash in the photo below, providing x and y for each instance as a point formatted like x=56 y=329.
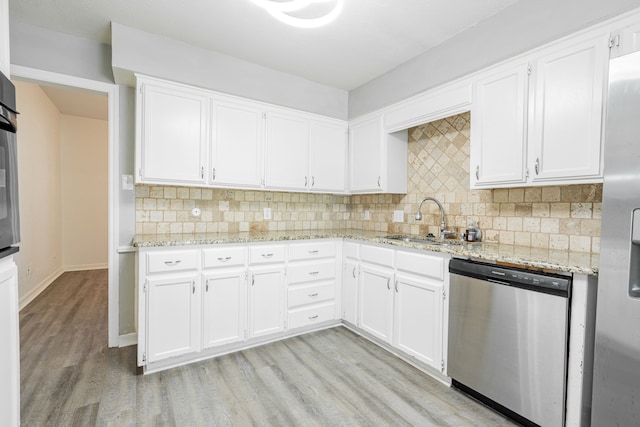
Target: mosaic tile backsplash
x=565 y=218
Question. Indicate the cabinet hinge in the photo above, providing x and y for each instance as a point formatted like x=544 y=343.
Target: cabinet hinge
x=264 y=116
x=529 y=69
x=444 y=294
x=144 y=357
x=526 y=173
x=614 y=41
x=144 y=287
x=213 y=174
x=141 y=91
x=246 y=274
x=140 y=172
x=442 y=366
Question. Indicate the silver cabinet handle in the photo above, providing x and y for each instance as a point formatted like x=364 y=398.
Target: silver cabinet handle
x=315 y=252
x=396 y=286
x=389 y=283
x=253 y=279
x=202 y=172
x=193 y=285
x=305 y=181
x=354 y=272
x=313 y=181
x=267 y=255
x=478 y=172
x=313 y=317
x=536 y=167
x=213 y=175
x=313 y=273
x=225 y=259
x=173 y=263
x=313 y=295
x=207 y=286
x=379 y=178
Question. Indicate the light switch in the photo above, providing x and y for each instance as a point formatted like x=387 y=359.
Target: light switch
x=398 y=216
x=267 y=213
x=127 y=182
x=367 y=215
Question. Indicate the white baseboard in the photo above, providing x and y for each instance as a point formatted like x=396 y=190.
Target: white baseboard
x=26 y=299
x=128 y=339
x=100 y=266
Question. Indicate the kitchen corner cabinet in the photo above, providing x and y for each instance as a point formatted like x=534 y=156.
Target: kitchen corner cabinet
x=377 y=160
x=172 y=133
x=305 y=153
x=538 y=121
x=237 y=144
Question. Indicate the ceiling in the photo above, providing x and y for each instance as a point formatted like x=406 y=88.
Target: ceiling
x=368 y=39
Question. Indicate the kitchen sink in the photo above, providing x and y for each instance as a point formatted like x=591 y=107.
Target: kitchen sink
x=424 y=240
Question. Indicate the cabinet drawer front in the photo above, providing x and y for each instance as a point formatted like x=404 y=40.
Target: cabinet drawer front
x=311 y=294
x=351 y=250
x=425 y=265
x=376 y=255
x=266 y=254
x=312 y=250
x=223 y=257
x=162 y=262
x=312 y=271
x=311 y=315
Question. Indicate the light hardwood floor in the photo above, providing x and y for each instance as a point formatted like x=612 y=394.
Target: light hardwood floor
x=328 y=378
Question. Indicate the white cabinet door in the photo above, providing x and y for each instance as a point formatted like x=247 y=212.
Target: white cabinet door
x=173 y=316
x=286 y=152
x=267 y=307
x=498 y=131
x=567 y=117
x=418 y=318
x=10 y=348
x=224 y=307
x=365 y=155
x=350 y=275
x=376 y=301
x=327 y=157
x=238 y=138
x=173 y=134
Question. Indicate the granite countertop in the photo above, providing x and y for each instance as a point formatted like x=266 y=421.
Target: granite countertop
x=545 y=259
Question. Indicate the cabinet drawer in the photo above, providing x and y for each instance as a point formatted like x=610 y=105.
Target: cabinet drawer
x=376 y=255
x=169 y=261
x=312 y=250
x=311 y=294
x=311 y=315
x=423 y=264
x=266 y=254
x=312 y=271
x=351 y=250
x=223 y=257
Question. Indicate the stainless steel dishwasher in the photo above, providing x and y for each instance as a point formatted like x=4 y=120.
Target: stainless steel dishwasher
x=508 y=339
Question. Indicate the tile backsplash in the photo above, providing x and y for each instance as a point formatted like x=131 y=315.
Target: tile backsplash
x=555 y=217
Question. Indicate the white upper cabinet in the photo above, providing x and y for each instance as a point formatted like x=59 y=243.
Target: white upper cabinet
x=172 y=133
x=565 y=141
x=328 y=156
x=377 y=160
x=237 y=143
x=498 y=129
x=286 y=151
x=543 y=127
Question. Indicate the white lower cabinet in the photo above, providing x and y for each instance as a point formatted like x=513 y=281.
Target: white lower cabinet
x=224 y=307
x=173 y=315
x=376 y=301
x=266 y=301
x=418 y=318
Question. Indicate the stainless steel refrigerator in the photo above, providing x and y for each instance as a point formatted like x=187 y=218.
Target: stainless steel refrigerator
x=616 y=379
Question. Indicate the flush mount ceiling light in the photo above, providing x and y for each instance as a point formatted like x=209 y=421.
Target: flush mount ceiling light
x=282 y=11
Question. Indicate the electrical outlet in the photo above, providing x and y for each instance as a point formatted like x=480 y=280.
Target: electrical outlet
x=398 y=216
x=367 y=215
x=267 y=213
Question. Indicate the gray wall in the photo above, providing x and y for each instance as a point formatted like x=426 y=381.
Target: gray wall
x=177 y=61
x=520 y=27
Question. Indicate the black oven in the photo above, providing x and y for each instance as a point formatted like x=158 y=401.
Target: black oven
x=9 y=215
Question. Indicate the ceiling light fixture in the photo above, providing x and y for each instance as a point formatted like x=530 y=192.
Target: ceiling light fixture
x=281 y=11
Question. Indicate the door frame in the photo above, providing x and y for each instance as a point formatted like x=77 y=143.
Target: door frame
x=38 y=76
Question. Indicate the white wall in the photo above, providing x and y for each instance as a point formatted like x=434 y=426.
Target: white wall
x=40 y=188
x=516 y=29
x=84 y=145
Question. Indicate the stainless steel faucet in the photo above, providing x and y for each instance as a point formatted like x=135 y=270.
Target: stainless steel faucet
x=443 y=224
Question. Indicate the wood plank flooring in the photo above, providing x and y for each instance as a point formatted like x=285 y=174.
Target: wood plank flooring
x=328 y=378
